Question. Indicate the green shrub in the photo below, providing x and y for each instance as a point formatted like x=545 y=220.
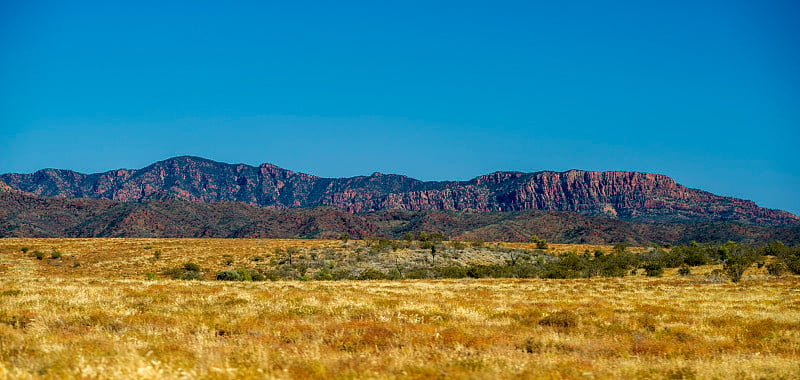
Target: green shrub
x=525 y=271
x=323 y=274
x=775 y=248
x=654 y=269
x=394 y=274
x=55 y=255
x=192 y=275
x=684 y=270
x=421 y=274
x=776 y=269
x=695 y=257
x=452 y=272
x=39 y=255
x=244 y=275
x=736 y=265
x=157 y=255
x=25 y=249
x=483 y=271
x=188 y=271
x=192 y=267
x=150 y=276
x=540 y=243
x=228 y=275
x=342 y=274
x=791 y=259
x=558 y=272
x=372 y=274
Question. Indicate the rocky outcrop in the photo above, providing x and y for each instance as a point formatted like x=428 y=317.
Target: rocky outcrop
x=624 y=195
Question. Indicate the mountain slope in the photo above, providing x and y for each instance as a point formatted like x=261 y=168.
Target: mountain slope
x=628 y=196
x=27 y=215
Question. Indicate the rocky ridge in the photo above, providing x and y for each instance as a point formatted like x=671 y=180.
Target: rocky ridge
x=630 y=196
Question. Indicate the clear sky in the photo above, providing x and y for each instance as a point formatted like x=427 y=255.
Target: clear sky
x=707 y=92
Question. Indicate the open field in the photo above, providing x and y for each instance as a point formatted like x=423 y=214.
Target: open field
x=102 y=319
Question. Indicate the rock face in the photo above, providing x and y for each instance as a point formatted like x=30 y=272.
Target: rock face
x=625 y=195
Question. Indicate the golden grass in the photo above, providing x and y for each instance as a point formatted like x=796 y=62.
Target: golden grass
x=103 y=320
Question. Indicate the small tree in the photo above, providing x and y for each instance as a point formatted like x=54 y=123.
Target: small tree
x=344 y=238
x=540 y=243
x=739 y=259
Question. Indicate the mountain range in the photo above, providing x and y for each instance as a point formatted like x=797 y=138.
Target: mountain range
x=28 y=215
x=195 y=197
x=627 y=196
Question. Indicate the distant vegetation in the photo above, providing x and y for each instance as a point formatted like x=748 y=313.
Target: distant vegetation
x=428 y=256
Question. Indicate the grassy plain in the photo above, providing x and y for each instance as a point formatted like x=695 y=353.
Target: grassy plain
x=102 y=319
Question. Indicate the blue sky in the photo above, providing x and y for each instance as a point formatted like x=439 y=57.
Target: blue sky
x=707 y=92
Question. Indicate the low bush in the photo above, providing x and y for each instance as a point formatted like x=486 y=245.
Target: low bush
x=776 y=269
x=323 y=274
x=452 y=272
x=244 y=275
x=372 y=274
x=791 y=259
x=192 y=275
x=684 y=270
x=342 y=274
x=39 y=255
x=421 y=274
x=228 y=275
x=188 y=271
x=192 y=267
x=654 y=269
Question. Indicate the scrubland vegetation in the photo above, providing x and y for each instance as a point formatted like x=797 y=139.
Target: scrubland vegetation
x=206 y=308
